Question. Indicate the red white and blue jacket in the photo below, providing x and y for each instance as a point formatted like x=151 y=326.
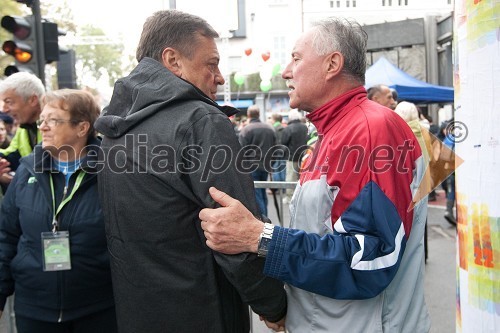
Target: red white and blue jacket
x=353 y=257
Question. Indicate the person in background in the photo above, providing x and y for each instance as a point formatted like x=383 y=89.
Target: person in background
x=382 y=95
x=279 y=166
x=294 y=138
x=394 y=96
x=10 y=127
x=353 y=257
x=4 y=138
x=449 y=141
x=433 y=128
x=258 y=139
x=409 y=112
x=53 y=251
x=166 y=142
x=236 y=125
x=22 y=95
x=4 y=143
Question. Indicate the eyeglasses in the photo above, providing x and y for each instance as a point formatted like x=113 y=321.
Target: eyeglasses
x=52 y=122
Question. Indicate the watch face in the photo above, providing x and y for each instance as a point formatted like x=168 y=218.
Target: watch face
x=263 y=246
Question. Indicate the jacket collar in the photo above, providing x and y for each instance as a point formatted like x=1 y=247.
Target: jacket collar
x=43 y=162
x=326 y=116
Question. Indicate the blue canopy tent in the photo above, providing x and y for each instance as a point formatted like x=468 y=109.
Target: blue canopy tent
x=408 y=88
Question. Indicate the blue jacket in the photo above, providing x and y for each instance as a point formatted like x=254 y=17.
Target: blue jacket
x=26 y=213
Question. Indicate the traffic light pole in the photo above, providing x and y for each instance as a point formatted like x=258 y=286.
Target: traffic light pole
x=40 y=50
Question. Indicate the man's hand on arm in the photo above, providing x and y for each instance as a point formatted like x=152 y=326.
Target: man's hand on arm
x=231 y=228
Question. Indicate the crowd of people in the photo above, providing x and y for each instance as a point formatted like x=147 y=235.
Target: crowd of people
x=122 y=220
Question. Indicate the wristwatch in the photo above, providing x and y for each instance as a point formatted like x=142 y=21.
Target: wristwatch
x=265 y=239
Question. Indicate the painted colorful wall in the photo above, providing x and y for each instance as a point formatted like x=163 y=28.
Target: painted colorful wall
x=477 y=116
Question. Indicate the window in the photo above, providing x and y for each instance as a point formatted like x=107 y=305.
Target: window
x=354 y=3
x=399 y=2
x=383 y=3
x=390 y=2
x=347 y=3
x=280 y=50
x=406 y=2
x=331 y=4
x=338 y=4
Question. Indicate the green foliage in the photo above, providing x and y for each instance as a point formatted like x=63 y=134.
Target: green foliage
x=97 y=58
x=59 y=13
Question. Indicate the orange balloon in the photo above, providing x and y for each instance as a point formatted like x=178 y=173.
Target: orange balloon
x=266 y=56
x=248 y=51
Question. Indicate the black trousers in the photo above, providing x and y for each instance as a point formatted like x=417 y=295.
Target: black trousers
x=99 y=322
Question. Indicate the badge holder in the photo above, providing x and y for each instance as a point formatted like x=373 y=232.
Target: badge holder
x=55 y=248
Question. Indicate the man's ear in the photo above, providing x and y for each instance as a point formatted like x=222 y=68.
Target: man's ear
x=171 y=60
x=34 y=101
x=335 y=64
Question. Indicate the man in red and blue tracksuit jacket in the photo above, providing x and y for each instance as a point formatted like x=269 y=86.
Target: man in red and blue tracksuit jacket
x=355 y=248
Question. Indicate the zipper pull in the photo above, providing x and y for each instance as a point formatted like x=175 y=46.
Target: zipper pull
x=65 y=191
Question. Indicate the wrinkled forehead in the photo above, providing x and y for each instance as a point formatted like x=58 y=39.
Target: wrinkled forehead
x=9 y=93
x=305 y=40
x=52 y=109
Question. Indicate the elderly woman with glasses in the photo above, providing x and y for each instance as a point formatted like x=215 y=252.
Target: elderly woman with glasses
x=53 y=252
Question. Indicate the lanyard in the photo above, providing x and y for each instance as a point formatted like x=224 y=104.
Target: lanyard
x=65 y=200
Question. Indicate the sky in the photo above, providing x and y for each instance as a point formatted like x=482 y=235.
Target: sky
x=117 y=18
x=126 y=18
x=123 y=20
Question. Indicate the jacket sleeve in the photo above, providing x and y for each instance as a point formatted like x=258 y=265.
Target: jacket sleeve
x=10 y=232
x=357 y=261
x=220 y=157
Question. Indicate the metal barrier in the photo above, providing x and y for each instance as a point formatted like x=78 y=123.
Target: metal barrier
x=278 y=186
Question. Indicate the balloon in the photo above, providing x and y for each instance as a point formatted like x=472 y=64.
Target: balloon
x=248 y=51
x=239 y=78
x=266 y=56
x=276 y=69
x=265 y=86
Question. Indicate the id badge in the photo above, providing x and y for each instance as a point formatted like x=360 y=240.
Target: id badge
x=55 y=248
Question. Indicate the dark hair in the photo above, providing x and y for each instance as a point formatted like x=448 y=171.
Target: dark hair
x=80 y=104
x=172 y=28
x=276 y=117
x=253 y=112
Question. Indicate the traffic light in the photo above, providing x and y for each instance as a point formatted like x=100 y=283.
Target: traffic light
x=51 y=35
x=23 y=47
